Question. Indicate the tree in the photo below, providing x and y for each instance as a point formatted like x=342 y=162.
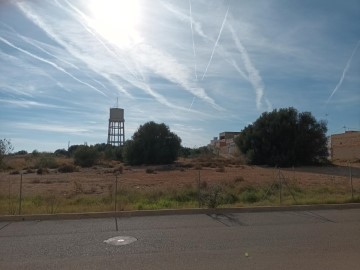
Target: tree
x=5 y=149
x=152 y=143
x=61 y=152
x=85 y=156
x=284 y=137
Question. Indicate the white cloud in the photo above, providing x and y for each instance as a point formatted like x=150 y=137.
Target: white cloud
x=53 y=128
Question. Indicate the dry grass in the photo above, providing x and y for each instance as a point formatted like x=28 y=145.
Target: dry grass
x=243 y=184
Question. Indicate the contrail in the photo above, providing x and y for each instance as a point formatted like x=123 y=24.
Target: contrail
x=168 y=67
x=198 y=29
x=192 y=36
x=52 y=34
x=344 y=72
x=192 y=103
x=216 y=42
x=51 y=64
x=193 y=43
x=87 y=19
x=253 y=73
x=29 y=41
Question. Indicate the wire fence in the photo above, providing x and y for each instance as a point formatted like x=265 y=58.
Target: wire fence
x=60 y=193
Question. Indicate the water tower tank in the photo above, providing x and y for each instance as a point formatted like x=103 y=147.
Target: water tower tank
x=116 y=131
x=116 y=114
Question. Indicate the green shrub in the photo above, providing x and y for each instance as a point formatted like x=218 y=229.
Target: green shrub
x=86 y=156
x=250 y=195
x=230 y=198
x=213 y=197
x=47 y=161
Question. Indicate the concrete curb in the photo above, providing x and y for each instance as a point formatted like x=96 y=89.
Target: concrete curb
x=168 y=212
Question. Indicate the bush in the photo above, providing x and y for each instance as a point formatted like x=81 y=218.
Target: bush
x=35 y=153
x=47 y=161
x=150 y=171
x=21 y=153
x=67 y=168
x=239 y=179
x=5 y=149
x=42 y=171
x=214 y=197
x=86 y=156
x=250 y=196
x=61 y=152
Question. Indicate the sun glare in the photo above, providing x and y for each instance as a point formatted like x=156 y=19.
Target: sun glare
x=116 y=20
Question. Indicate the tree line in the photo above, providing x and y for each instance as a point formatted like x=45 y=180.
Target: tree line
x=282 y=137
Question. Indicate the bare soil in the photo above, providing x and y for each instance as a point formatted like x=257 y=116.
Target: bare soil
x=100 y=179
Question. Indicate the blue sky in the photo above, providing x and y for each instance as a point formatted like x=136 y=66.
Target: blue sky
x=199 y=66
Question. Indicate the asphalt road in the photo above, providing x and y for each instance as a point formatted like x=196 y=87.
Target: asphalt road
x=328 y=239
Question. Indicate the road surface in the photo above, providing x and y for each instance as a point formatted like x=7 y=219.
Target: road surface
x=327 y=239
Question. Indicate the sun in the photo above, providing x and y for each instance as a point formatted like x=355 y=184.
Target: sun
x=116 y=21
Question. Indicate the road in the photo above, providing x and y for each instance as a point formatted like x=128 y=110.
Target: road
x=327 y=239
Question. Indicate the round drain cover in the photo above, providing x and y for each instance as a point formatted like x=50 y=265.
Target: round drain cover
x=120 y=240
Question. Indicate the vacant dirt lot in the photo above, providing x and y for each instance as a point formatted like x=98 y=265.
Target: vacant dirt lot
x=101 y=179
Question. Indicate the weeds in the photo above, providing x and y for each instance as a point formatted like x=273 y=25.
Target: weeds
x=78 y=189
x=235 y=192
x=42 y=171
x=150 y=171
x=67 y=168
x=52 y=203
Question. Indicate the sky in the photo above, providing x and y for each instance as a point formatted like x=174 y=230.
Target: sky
x=199 y=66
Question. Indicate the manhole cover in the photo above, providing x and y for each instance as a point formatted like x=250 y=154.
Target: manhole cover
x=120 y=240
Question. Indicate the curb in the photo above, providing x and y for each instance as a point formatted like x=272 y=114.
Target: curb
x=168 y=212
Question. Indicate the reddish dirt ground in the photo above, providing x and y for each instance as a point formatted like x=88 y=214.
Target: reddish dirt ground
x=101 y=180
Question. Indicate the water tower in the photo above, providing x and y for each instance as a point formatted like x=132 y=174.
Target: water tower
x=116 y=132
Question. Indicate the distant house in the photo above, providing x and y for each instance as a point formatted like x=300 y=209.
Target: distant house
x=345 y=146
x=224 y=144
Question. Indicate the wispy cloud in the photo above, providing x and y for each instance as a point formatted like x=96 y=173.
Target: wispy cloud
x=52 y=128
x=51 y=64
x=216 y=43
x=149 y=58
x=344 y=72
x=169 y=68
x=88 y=21
x=192 y=37
x=29 y=103
x=54 y=34
x=34 y=43
x=253 y=74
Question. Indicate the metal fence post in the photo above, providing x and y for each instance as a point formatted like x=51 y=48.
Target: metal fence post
x=351 y=182
x=199 y=194
x=280 y=187
x=9 y=210
x=115 y=208
x=20 y=195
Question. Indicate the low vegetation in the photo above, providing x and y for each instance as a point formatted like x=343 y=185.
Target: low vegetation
x=232 y=193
